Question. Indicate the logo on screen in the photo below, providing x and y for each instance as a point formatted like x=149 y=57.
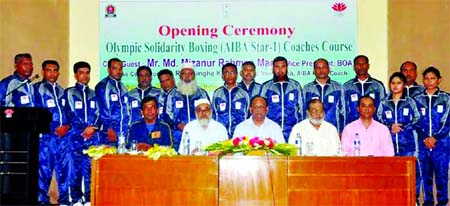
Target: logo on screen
x=110 y=11
x=339 y=7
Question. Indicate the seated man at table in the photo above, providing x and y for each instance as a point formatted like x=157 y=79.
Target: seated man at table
x=258 y=125
x=374 y=138
x=318 y=136
x=202 y=131
x=149 y=130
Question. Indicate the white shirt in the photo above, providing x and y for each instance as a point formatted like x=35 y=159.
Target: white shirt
x=268 y=129
x=199 y=136
x=325 y=140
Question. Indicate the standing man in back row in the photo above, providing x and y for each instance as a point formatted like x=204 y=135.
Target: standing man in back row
x=230 y=103
x=329 y=92
x=167 y=82
x=248 y=83
x=144 y=89
x=363 y=84
x=409 y=69
x=284 y=97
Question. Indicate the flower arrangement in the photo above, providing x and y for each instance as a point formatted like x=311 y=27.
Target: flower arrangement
x=96 y=152
x=246 y=146
x=157 y=151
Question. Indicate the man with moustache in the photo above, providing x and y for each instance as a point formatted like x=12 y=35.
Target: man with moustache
x=180 y=108
x=315 y=132
x=363 y=84
x=144 y=89
x=112 y=96
x=248 y=83
x=202 y=131
x=16 y=90
x=83 y=114
x=329 y=92
x=54 y=148
x=375 y=138
x=284 y=97
x=167 y=83
x=149 y=130
x=409 y=69
x=258 y=125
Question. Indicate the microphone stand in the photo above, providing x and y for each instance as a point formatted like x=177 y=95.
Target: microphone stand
x=22 y=84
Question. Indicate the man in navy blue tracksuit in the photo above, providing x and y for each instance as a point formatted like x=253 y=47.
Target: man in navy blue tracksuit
x=54 y=150
x=83 y=114
x=112 y=97
x=284 y=97
x=16 y=90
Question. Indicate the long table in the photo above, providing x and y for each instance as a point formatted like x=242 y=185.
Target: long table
x=253 y=180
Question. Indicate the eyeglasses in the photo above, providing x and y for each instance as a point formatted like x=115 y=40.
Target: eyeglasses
x=315 y=111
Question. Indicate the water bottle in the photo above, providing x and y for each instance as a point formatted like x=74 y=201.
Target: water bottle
x=356 y=146
x=340 y=150
x=133 y=147
x=298 y=144
x=198 y=148
x=121 y=149
x=310 y=148
x=187 y=144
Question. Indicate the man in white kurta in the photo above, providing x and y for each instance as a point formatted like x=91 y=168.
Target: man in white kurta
x=258 y=125
x=203 y=131
x=321 y=136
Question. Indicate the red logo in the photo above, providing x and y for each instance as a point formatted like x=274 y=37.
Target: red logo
x=8 y=113
x=339 y=7
x=110 y=11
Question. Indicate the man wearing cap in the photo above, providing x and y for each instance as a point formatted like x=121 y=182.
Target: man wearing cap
x=202 y=131
x=180 y=108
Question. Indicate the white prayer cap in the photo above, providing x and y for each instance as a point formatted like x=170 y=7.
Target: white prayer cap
x=201 y=101
x=187 y=65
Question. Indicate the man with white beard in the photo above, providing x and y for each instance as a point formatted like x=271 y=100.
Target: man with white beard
x=202 y=131
x=318 y=136
x=180 y=108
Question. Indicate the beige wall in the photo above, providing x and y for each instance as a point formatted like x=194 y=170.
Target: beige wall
x=419 y=30
x=39 y=27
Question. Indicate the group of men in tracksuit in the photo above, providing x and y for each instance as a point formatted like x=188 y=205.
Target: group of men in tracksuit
x=75 y=119
x=84 y=117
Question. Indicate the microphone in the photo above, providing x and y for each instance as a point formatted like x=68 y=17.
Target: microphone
x=23 y=83
x=33 y=78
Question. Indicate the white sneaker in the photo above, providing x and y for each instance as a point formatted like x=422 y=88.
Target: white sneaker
x=87 y=204
x=79 y=203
